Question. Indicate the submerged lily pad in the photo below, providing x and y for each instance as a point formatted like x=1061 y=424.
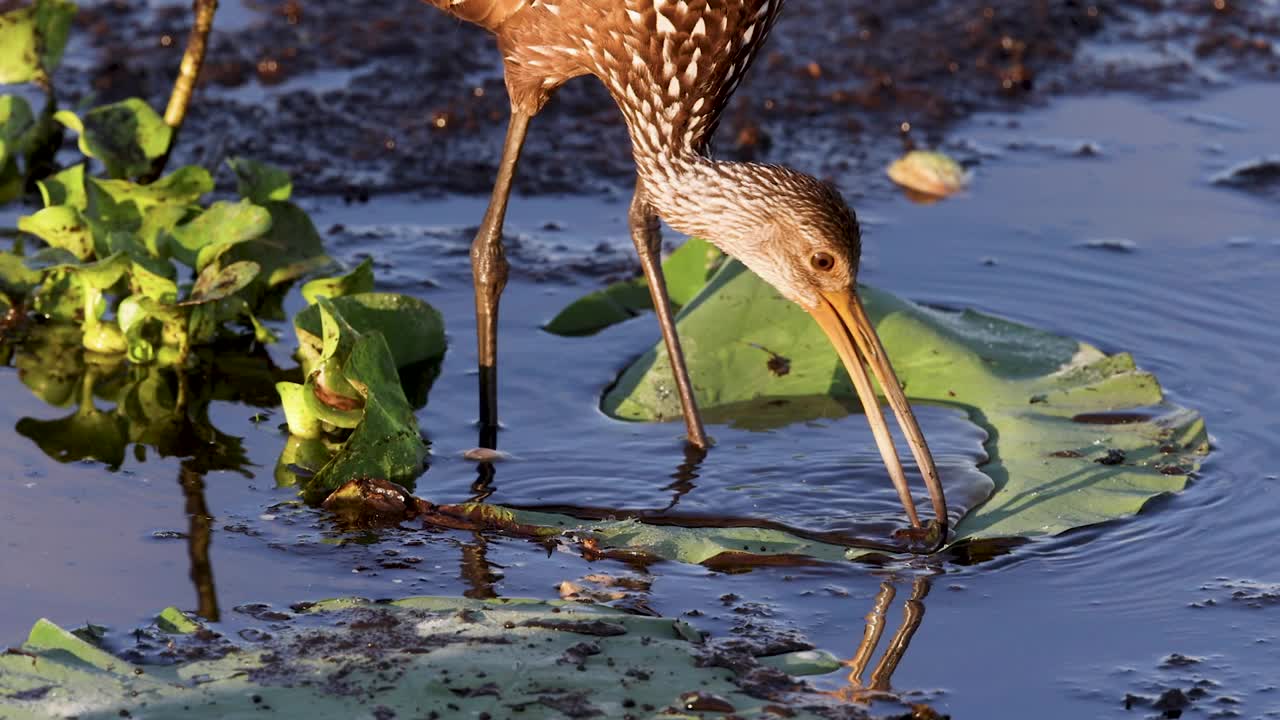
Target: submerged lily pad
x=417 y=657
x=1076 y=437
x=686 y=272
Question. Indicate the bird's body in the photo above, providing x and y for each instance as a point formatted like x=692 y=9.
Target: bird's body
x=671 y=66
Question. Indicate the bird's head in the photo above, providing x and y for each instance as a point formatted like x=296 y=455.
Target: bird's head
x=807 y=245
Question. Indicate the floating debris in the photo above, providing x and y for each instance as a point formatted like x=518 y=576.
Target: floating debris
x=1116 y=245
x=480 y=454
x=929 y=172
x=1261 y=175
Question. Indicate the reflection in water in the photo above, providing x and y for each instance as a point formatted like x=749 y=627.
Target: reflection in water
x=199 y=538
x=479 y=573
x=164 y=409
x=856 y=690
x=686 y=472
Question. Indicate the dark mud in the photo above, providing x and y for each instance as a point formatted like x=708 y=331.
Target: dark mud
x=360 y=97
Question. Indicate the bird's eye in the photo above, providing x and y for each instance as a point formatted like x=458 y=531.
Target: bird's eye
x=822 y=261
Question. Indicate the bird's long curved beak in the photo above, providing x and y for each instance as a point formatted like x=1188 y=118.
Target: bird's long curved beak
x=842 y=317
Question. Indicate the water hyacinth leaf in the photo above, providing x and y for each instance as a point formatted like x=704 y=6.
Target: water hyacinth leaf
x=66 y=187
x=303 y=423
x=413 y=329
x=929 y=172
x=123 y=203
x=260 y=182
x=133 y=318
x=216 y=283
x=202 y=240
x=357 y=386
x=62 y=226
x=127 y=136
x=686 y=271
x=359 y=280
x=20 y=59
x=16 y=278
x=1035 y=393
x=16 y=121
x=53 y=27
x=497 y=655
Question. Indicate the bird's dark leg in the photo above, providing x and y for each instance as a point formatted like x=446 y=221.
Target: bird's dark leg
x=489 y=270
x=646 y=234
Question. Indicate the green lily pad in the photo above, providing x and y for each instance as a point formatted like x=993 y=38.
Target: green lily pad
x=686 y=272
x=127 y=136
x=416 y=657
x=1077 y=437
x=359 y=280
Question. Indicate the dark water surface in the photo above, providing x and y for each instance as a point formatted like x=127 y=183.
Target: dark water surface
x=1130 y=248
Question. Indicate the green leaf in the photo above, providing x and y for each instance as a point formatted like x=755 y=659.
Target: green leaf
x=413 y=329
x=1043 y=399
x=686 y=272
x=126 y=136
x=356 y=385
x=123 y=203
x=216 y=283
x=359 y=280
x=65 y=188
x=449 y=657
x=19 y=47
x=62 y=226
x=214 y=231
x=53 y=27
x=16 y=278
x=303 y=423
x=259 y=182
x=16 y=121
x=175 y=622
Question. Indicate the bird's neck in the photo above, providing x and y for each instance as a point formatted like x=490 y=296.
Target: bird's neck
x=726 y=203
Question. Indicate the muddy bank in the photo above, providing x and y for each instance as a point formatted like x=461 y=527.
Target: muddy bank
x=359 y=97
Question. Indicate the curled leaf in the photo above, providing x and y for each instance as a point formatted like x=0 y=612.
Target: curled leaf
x=929 y=172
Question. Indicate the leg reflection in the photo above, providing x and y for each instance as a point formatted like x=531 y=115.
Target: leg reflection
x=199 y=537
x=479 y=574
x=686 y=472
x=881 y=676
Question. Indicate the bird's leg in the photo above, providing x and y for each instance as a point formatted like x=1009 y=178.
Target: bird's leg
x=489 y=270
x=188 y=72
x=646 y=234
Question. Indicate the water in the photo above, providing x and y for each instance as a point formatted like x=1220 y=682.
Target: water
x=1130 y=249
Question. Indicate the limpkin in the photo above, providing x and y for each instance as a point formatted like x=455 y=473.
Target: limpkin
x=671 y=67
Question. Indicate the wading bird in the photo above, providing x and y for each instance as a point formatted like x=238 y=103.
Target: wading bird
x=671 y=66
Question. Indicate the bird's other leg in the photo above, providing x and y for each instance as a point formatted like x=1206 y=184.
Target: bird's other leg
x=489 y=270
x=647 y=236
x=188 y=72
